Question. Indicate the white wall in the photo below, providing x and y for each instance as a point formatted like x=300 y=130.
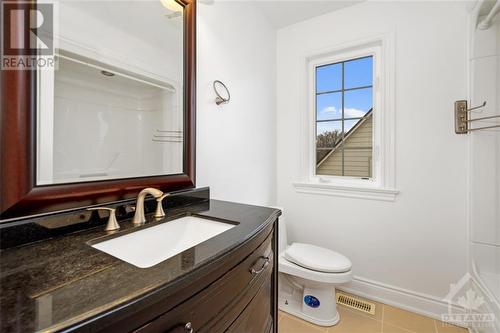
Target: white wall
x=235 y=142
x=405 y=252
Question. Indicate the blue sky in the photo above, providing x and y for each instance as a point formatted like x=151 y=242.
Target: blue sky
x=358 y=73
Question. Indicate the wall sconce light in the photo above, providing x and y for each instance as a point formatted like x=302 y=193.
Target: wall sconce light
x=171 y=5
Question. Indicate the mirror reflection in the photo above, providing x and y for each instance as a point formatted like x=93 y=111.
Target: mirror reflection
x=113 y=107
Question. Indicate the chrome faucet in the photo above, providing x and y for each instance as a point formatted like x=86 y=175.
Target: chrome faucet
x=139 y=217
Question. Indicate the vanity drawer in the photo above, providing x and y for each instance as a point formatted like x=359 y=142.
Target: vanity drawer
x=217 y=306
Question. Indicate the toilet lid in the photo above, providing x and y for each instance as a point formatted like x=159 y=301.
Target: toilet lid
x=317 y=258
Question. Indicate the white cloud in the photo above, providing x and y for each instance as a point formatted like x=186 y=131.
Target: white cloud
x=330 y=109
x=354 y=113
x=348 y=113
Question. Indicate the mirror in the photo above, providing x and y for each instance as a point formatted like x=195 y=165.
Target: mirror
x=113 y=107
x=116 y=115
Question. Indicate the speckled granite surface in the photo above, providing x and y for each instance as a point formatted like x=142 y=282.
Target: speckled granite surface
x=55 y=283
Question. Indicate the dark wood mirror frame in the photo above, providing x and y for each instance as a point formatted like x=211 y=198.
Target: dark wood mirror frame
x=19 y=194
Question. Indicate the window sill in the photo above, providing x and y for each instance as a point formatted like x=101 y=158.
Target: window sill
x=360 y=192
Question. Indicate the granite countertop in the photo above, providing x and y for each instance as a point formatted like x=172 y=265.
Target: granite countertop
x=53 y=284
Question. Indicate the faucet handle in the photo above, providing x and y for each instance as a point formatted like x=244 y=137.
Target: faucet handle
x=112 y=222
x=159 y=207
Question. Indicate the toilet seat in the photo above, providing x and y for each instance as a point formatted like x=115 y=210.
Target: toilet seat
x=317 y=258
x=288 y=267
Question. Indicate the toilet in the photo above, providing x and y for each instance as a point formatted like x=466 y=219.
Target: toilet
x=308 y=275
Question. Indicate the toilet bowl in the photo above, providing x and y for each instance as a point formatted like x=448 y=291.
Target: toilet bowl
x=308 y=275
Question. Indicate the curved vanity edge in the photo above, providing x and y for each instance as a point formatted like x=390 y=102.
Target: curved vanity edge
x=150 y=306
x=107 y=294
x=148 y=303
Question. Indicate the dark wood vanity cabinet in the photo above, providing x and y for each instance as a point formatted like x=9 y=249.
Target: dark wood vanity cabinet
x=241 y=300
x=226 y=284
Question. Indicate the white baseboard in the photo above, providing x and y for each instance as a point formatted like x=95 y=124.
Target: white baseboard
x=420 y=303
x=423 y=304
x=490 y=306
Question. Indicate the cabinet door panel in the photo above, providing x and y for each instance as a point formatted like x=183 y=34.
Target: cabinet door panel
x=211 y=309
x=256 y=317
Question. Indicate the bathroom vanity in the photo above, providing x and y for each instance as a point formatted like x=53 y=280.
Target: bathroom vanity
x=225 y=284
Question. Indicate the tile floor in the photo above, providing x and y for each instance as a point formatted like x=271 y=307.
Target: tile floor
x=387 y=319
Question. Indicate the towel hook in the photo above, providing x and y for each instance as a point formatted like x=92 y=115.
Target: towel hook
x=463 y=120
x=224 y=97
x=477 y=107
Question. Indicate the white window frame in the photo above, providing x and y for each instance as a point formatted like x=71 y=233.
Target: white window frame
x=373 y=51
x=382 y=184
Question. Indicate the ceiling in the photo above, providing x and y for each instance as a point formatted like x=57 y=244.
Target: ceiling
x=286 y=12
x=146 y=20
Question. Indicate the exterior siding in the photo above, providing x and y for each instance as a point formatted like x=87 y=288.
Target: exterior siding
x=357 y=153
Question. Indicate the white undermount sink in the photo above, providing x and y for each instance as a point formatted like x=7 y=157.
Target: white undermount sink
x=150 y=246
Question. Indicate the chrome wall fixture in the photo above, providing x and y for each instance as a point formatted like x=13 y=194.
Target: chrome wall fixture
x=223 y=95
x=463 y=121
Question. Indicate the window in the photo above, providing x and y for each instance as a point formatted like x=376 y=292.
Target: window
x=347 y=145
x=344 y=118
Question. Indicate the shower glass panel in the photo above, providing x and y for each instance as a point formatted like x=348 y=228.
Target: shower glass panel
x=485 y=160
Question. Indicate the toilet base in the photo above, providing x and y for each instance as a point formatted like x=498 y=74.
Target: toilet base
x=297 y=313
x=322 y=307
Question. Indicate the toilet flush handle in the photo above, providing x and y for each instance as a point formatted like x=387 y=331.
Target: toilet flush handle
x=263 y=267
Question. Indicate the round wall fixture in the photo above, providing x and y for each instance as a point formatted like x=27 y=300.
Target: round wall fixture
x=223 y=95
